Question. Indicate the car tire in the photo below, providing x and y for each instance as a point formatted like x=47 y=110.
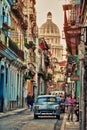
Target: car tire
x=58 y=117
x=35 y=116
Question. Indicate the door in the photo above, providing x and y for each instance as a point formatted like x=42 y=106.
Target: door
x=1 y=88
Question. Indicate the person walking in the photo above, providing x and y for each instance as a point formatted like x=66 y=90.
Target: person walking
x=76 y=109
x=28 y=98
x=70 y=107
x=66 y=104
x=31 y=103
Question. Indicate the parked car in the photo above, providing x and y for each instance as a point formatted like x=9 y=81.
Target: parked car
x=61 y=101
x=46 y=105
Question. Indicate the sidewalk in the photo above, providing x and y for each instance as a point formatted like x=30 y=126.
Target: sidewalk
x=69 y=125
x=8 y=113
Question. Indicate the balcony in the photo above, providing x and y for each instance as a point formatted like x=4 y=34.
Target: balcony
x=17 y=9
x=71 y=27
x=13 y=46
x=30 y=74
x=15 y=49
x=29 y=45
x=6 y=27
x=43 y=45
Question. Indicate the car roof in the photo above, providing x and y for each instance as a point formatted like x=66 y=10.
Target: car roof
x=46 y=96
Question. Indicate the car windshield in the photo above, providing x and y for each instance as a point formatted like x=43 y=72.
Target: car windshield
x=46 y=99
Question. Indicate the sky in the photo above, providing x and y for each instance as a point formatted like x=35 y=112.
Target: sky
x=55 y=7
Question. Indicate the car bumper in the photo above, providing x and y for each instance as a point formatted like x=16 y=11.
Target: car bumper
x=47 y=113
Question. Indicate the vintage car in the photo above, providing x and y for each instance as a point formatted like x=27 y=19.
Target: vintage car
x=46 y=105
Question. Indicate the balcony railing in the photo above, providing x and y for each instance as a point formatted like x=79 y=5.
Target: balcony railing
x=13 y=47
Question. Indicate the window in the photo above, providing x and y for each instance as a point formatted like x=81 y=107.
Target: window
x=46 y=99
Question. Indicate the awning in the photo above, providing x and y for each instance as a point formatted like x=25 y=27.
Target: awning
x=8 y=54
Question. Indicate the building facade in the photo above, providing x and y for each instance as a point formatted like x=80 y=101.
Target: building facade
x=75 y=32
x=16 y=38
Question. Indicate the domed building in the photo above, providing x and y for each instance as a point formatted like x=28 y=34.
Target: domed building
x=51 y=34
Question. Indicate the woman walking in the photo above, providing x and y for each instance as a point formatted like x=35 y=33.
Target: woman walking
x=70 y=107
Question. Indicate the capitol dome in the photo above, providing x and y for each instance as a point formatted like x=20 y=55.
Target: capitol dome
x=50 y=32
x=50 y=29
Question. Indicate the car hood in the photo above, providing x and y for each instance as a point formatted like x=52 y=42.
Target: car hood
x=47 y=105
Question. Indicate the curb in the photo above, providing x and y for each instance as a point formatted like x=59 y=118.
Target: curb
x=10 y=113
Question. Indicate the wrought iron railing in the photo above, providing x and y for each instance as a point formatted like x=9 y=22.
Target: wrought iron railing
x=13 y=47
x=16 y=50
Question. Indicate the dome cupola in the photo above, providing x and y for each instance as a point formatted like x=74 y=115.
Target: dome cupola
x=49 y=16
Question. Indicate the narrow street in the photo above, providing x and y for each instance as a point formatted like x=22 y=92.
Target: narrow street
x=43 y=64
x=25 y=121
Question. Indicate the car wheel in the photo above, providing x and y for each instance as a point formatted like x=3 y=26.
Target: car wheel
x=35 y=116
x=58 y=117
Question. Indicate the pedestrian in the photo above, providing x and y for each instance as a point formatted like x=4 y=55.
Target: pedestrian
x=70 y=107
x=76 y=109
x=31 y=103
x=28 y=99
x=66 y=104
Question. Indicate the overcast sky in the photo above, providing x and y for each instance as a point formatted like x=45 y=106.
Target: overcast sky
x=55 y=7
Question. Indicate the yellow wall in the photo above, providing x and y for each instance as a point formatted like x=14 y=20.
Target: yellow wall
x=29 y=87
